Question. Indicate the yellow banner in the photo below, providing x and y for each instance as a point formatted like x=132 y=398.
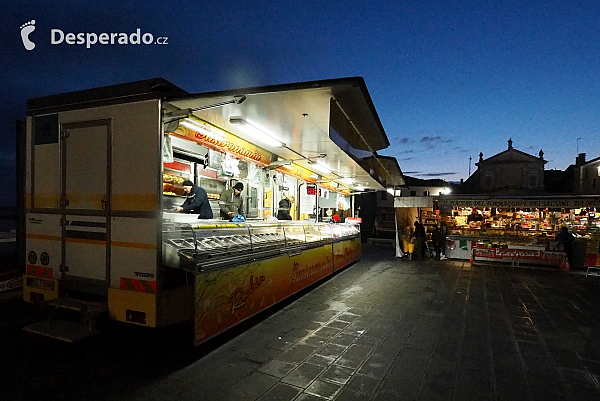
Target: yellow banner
x=229 y=143
x=345 y=252
x=228 y=296
x=299 y=172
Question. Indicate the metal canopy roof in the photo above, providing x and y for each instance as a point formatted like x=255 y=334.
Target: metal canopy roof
x=299 y=116
x=389 y=169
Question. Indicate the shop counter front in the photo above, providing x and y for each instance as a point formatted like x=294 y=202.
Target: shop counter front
x=240 y=269
x=519 y=255
x=459 y=246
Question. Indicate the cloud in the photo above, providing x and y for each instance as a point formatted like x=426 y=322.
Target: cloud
x=437 y=174
x=411 y=172
x=405 y=141
x=406 y=158
x=434 y=140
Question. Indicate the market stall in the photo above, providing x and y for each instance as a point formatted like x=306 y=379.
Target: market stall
x=517 y=230
x=107 y=173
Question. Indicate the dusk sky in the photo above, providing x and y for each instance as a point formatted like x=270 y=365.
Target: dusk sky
x=448 y=79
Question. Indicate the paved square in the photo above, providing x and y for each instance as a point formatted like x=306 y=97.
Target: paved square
x=382 y=329
x=439 y=330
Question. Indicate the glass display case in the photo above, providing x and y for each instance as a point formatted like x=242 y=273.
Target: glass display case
x=199 y=247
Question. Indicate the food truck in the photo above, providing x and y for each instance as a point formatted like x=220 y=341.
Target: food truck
x=103 y=179
x=519 y=229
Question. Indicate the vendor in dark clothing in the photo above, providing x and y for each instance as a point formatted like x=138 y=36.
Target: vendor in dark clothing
x=567 y=240
x=283 y=212
x=474 y=216
x=437 y=239
x=196 y=202
x=232 y=202
x=420 y=235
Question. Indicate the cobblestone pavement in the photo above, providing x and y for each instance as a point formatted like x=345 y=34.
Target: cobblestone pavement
x=383 y=329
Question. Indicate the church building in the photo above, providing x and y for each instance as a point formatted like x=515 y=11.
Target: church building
x=510 y=172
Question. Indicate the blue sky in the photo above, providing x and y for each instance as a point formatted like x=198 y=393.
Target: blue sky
x=448 y=79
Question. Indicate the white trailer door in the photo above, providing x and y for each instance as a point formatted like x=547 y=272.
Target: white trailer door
x=85 y=202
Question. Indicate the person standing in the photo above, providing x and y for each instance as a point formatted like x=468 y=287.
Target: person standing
x=567 y=240
x=283 y=211
x=436 y=237
x=474 y=216
x=419 y=235
x=196 y=201
x=232 y=202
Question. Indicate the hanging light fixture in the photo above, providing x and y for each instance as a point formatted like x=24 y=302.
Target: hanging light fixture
x=255 y=132
x=201 y=128
x=320 y=167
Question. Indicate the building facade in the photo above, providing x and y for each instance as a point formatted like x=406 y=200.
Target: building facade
x=587 y=176
x=509 y=172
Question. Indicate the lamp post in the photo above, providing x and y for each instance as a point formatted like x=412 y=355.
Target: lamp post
x=578 y=146
x=470 y=165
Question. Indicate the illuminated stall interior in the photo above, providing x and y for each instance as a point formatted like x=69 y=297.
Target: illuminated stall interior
x=312 y=143
x=525 y=221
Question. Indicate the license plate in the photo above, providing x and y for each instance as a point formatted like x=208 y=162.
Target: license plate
x=40 y=283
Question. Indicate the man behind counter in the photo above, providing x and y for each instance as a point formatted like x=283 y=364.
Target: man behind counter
x=231 y=202
x=196 y=202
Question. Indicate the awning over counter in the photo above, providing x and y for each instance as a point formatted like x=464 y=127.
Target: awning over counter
x=387 y=170
x=413 y=201
x=330 y=123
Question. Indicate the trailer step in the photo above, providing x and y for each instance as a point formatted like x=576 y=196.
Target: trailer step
x=88 y=307
x=71 y=319
x=64 y=330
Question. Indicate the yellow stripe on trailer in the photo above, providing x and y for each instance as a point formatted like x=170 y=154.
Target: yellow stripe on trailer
x=43 y=200
x=133 y=245
x=86 y=241
x=134 y=202
x=44 y=237
x=90 y=241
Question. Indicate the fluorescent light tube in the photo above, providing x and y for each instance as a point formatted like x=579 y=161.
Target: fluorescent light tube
x=194 y=126
x=319 y=167
x=256 y=132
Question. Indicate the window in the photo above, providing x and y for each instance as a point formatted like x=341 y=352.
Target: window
x=487 y=182
x=533 y=181
x=425 y=193
x=413 y=193
x=585 y=174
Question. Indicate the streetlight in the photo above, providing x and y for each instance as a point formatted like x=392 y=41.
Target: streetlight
x=470 y=165
x=578 y=145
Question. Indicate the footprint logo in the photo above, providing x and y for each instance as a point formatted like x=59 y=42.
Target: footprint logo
x=26 y=29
